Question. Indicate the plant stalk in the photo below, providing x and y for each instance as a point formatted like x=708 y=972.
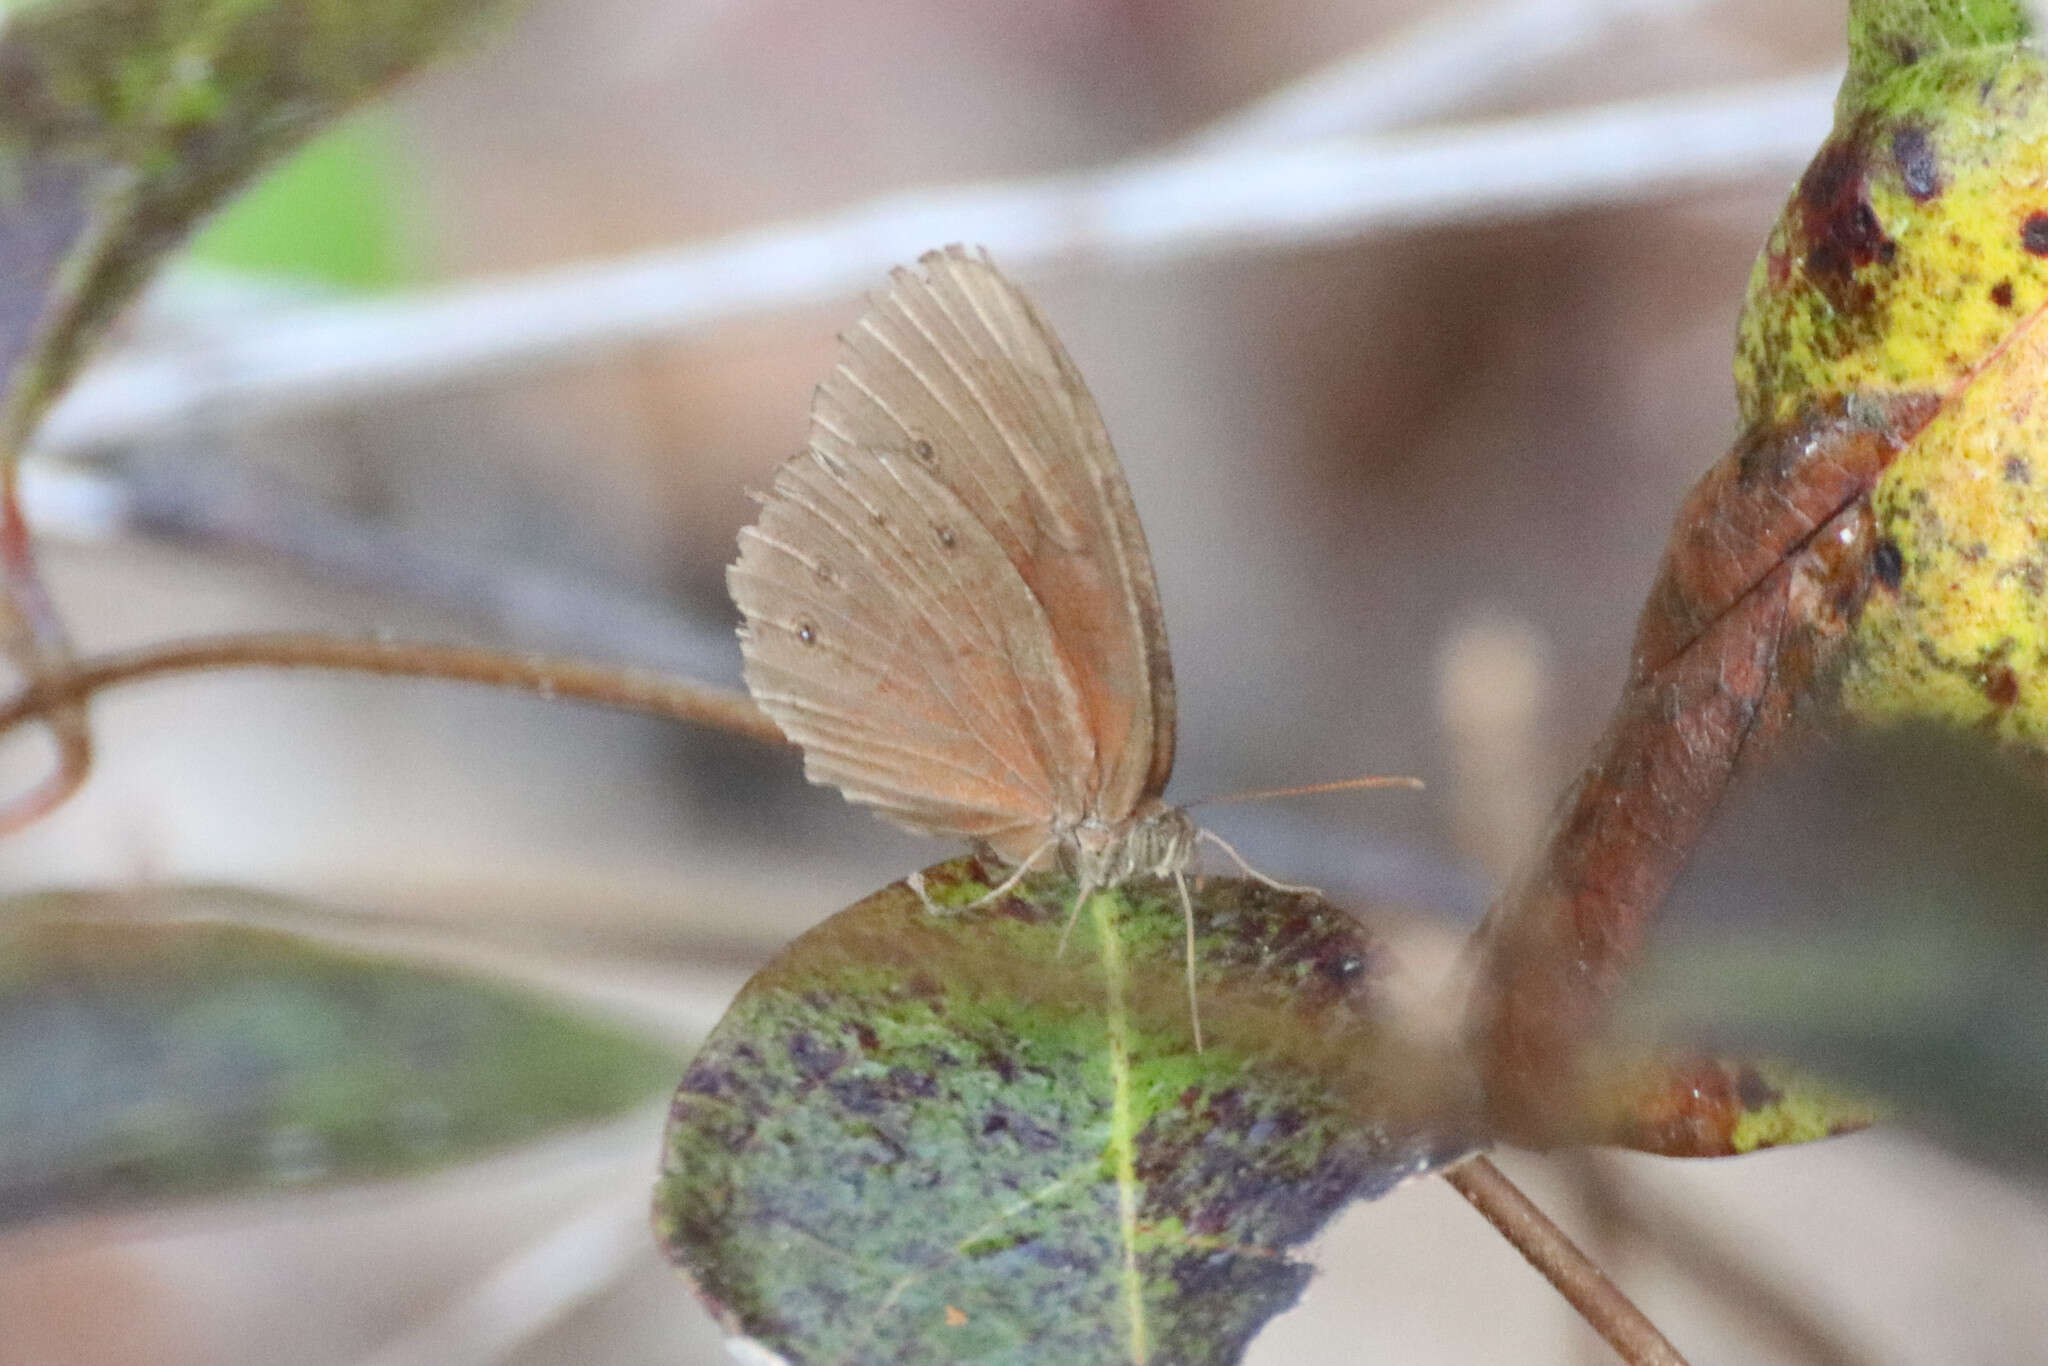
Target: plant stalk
x=1600 y=1301
x=548 y=676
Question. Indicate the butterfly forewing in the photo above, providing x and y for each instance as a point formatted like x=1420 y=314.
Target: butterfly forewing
x=954 y=369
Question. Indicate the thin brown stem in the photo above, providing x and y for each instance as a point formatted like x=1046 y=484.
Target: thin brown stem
x=1611 y=1313
x=37 y=644
x=542 y=675
x=74 y=764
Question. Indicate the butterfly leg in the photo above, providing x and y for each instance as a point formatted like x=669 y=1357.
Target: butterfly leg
x=1187 y=915
x=916 y=884
x=1030 y=860
x=1297 y=889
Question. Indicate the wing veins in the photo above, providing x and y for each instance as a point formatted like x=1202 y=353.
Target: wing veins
x=1045 y=734
x=906 y=567
x=965 y=433
x=1032 y=471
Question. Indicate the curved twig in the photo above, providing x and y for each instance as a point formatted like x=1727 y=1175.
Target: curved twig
x=1611 y=1313
x=74 y=765
x=37 y=644
x=1675 y=1234
x=35 y=639
x=550 y=676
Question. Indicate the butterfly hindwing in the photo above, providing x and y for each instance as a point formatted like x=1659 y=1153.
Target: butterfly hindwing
x=883 y=627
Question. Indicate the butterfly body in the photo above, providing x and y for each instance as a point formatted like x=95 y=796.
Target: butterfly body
x=1157 y=842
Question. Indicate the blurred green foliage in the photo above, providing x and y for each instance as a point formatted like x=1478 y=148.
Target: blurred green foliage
x=333 y=213
x=145 y=1058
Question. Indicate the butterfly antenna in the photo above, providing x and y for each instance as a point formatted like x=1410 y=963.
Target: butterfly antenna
x=1187 y=914
x=1225 y=845
x=1266 y=794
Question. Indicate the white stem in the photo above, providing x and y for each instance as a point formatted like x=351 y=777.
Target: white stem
x=1141 y=212
x=1439 y=66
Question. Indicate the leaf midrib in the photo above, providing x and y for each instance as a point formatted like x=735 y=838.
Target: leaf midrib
x=1123 y=1124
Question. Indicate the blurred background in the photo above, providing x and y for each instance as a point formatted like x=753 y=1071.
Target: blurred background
x=1412 y=322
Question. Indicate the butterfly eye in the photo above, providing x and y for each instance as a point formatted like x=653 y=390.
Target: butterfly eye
x=922 y=449
x=807 y=633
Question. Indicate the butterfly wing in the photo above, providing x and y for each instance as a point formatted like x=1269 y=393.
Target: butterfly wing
x=889 y=637
x=955 y=364
x=997 y=663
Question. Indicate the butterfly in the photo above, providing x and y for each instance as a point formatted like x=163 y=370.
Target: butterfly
x=948 y=602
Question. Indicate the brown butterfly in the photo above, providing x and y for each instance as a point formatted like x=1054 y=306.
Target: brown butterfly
x=949 y=604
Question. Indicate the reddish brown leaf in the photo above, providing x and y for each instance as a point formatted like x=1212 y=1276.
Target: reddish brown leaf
x=1765 y=576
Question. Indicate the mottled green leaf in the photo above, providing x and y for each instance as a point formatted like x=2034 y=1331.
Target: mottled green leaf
x=1908 y=274
x=1890 y=36
x=122 y=122
x=143 y=1058
x=925 y=1136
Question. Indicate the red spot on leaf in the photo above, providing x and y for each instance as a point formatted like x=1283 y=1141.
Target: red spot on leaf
x=1837 y=227
x=2001 y=685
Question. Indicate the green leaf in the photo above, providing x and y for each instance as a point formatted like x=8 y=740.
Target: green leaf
x=128 y=120
x=1887 y=36
x=1907 y=276
x=328 y=214
x=928 y=1135
x=143 y=1059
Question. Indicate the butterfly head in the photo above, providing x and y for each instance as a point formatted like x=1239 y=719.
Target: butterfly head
x=1155 y=841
